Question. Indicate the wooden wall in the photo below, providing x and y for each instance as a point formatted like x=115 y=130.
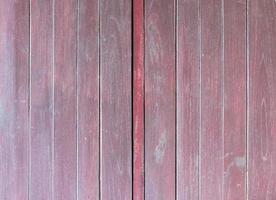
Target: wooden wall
x=141 y=99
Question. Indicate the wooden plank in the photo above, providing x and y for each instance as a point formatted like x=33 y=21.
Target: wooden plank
x=65 y=151
x=14 y=93
x=41 y=100
x=116 y=116
x=159 y=100
x=188 y=77
x=211 y=136
x=234 y=100
x=88 y=100
x=262 y=99
x=138 y=100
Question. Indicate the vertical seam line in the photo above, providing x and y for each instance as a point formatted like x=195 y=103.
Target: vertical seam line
x=53 y=102
x=30 y=104
x=144 y=93
x=77 y=99
x=200 y=95
x=223 y=103
x=176 y=88
x=247 y=97
x=100 y=98
x=132 y=95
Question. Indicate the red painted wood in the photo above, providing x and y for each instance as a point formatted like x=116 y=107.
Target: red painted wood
x=159 y=100
x=65 y=150
x=41 y=100
x=14 y=92
x=211 y=128
x=234 y=100
x=188 y=99
x=262 y=99
x=115 y=70
x=66 y=103
x=88 y=100
x=138 y=100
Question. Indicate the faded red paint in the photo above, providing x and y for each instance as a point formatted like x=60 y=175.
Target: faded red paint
x=138 y=100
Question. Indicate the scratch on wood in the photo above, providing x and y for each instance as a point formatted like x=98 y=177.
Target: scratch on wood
x=264 y=127
x=2 y=115
x=161 y=148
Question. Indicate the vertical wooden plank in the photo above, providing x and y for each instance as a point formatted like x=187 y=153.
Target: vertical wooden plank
x=234 y=100
x=159 y=100
x=88 y=100
x=14 y=92
x=211 y=138
x=138 y=100
x=262 y=99
x=65 y=156
x=115 y=70
x=188 y=77
x=41 y=100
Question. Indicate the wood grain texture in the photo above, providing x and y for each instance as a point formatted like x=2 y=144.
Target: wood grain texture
x=65 y=99
x=138 y=100
x=262 y=99
x=14 y=93
x=211 y=139
x=197 y=113
x=159 y=100
x=41 y=100
x=188 y=99
x=234 y=100
x=88 y=100
x=116 y=115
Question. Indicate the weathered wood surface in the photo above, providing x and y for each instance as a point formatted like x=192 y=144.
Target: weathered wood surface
x=188 y=98
x=211 y=94
x=88 y=100
x=262 y=99
x=65 y=100
x=160 y=99
x=14 y=97
x=41 y=100
x=116 y=86
x=138 y=100
x=234 y=89
x=195 y=119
